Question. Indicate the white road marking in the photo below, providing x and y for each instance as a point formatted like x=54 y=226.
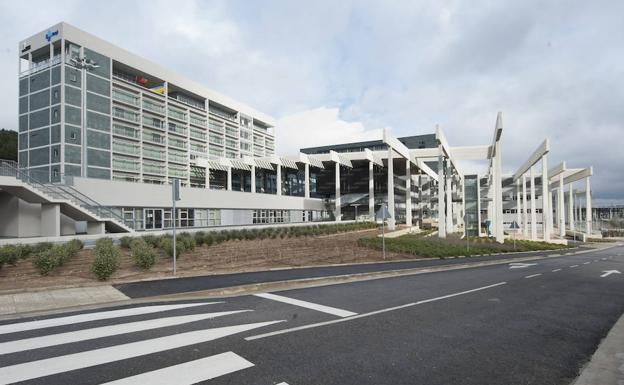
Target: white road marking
x=585 y=263
x=86 y=317
x=573 y=266
x=308 y=305
x=60 y=364
x=604 y=259
x=609 y=272
x=284 y=331
x=533 y=275
x=520 y=265
x=190 y=372
x=556 y=270
x=282 y=383
x=104 y=331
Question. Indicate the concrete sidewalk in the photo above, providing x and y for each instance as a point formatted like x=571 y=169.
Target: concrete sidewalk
x=33 y=301
x=607 y=364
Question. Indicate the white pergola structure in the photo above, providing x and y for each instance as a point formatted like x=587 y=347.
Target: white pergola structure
x=567 y=177
x=540 y=154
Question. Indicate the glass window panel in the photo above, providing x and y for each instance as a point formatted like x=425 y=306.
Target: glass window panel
x=98 y=158
x=72 y=154
x=98 y=121
x=72 y=170
x=23 y=141
x=39 y=100
x=98 y=173
x=98 y=139
x=55 y=95
x=72 y=134
x=56 y=75
x=42 y=174
x=40 y=118
x=98 y=103
x=72 y=76
x=23 y=158
x=102 y=62
x=40 y=137
x=55 y=173
x=72 y=115
x=23 y=105
x=40 y=81
x=72 y=96
x=55 y=114
x=39 y=156
x=55 y=134
x=55 y=154
x=23 y=86
x=23 y=123
x=98 y=85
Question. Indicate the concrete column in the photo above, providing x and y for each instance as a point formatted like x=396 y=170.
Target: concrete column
x=50 y=220
x=441 y=198
x=408 y=193
x=588 y=207
x=337 y=200
x=449 y=199
x=392 y=220
x=533 y=213
x=421 y=204
x=371 y=191
x=478 y=206
x=561 y=210
x=571 y=207
x=207 y=178
x=306 y=179
x=253 y=179
x=525 y=213
x=546 y=213
x=229 y=179
x=553 y=217
x=518 y=203
x=498 y=196
x=95 y=228
x=278 y=179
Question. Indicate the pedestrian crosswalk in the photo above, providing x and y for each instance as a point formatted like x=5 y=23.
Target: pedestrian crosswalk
x=190 y=372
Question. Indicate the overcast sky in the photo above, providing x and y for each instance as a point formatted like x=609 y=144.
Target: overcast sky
x=336 y=71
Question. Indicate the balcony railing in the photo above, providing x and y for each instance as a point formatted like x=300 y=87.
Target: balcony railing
x=153 y=137
x=153 y=122
x=42 y=65
x=147 y=152
x=176 y=128
x=125 y=131
x=197 y=121
x=153 y=169
x=198 y=134
x=126 y=148
x=177 y=143
x=126 y=165
x=127 y=115
x=177 y=115
x=150 y=106
x=125 y=97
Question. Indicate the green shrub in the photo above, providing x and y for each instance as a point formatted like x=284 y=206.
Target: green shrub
x=200 y=238
x=152 y=240
x=143 y=254
x=107 y=258
x=166 y=244
x=125 y=242
x=209 y=239
x=48 y=259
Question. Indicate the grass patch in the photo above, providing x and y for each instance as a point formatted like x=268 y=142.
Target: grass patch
x=452 y=246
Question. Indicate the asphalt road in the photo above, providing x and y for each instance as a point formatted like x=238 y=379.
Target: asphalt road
x=190 y=284
x=502 y=324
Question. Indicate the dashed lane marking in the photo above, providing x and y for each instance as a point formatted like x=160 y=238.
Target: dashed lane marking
x=556 y=270
x=533 y=275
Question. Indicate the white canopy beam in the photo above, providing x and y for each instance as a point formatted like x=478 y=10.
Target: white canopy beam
x=540 y=151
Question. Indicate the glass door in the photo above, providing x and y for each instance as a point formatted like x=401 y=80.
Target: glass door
x=153 y=219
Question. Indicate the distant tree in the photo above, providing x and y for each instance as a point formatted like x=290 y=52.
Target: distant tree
x=8 y=144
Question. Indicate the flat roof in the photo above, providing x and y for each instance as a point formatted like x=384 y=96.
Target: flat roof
x=67 y=31
x=411 y=142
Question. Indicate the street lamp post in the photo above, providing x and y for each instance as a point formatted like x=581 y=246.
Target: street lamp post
x=356 y=205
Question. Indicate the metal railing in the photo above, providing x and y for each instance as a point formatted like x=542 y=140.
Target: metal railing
x=59 y=190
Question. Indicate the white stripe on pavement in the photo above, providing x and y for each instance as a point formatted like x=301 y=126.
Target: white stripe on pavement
x=585 y=263
x=86 y=317
x=284 y=331
x=60 y=364
x=282 y=383
x=190 y=372
x=104 y=331
x=556 y=270
x=308 y=305
x=533 y=275
x=573 y=266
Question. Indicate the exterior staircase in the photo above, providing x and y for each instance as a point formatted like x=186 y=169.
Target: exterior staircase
x=72 y=202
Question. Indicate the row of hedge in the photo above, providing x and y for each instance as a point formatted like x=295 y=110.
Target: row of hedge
x=10 y=254
x=49 y=259
x=433 y=247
